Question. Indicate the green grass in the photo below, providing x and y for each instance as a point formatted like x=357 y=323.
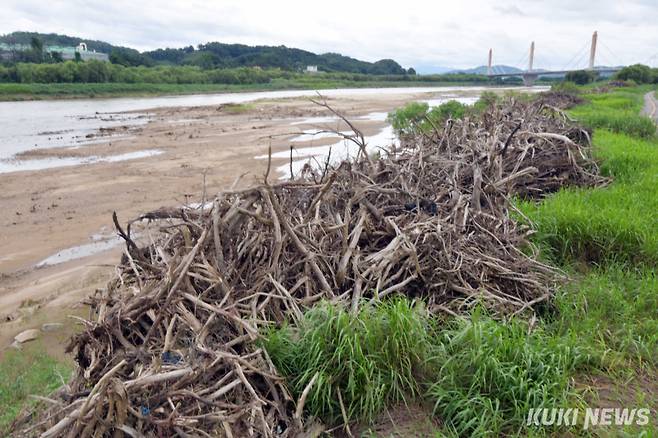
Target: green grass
x=612 y=310
x=481 y=376
x=491 y=373
x=371 y=358
x=26 y=372
x=617 y=112
x=607 y=240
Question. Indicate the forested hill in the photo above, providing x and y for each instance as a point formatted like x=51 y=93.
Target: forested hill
x=218 y=55
x=240 y=55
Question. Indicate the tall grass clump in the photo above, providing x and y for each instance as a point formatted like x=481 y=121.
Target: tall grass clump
x=480 y=375
x=491 y=373
x=368 y=360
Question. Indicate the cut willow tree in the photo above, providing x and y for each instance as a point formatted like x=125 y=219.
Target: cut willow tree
x=173 y=346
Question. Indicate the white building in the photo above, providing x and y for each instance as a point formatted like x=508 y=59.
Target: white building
x=311 y=69
x=85 y=55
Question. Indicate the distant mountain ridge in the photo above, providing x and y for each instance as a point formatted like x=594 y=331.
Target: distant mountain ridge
x=507 y=69
x=219 y=55
x=482 y=70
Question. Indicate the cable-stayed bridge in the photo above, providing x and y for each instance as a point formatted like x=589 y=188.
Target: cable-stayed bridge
x=530 y=75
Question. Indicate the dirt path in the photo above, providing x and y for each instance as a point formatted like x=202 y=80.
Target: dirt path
x=650 y=106
x=44 y=212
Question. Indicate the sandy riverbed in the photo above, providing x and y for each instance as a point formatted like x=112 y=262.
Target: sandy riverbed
x=47 y=211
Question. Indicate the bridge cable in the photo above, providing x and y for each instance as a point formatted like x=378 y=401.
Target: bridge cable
x=614 y=55
x=543 y=61
x=524 y=60
x=577 y=56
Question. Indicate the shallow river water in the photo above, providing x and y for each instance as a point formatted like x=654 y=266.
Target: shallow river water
x=31 y=125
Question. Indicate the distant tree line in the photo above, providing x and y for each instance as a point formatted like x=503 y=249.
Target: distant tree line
x=219 y=55
x=98 y=71
x=638 y=73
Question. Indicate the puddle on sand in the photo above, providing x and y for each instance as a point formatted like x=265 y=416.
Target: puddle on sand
x=441 y=100
x=316 y=120
x=7 y=166
x=342 y=150
x=375 y=117
x=372 y=117
x=99 y=244
x=316 y=135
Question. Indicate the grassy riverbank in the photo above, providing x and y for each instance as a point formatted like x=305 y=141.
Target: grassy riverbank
x=14 y=92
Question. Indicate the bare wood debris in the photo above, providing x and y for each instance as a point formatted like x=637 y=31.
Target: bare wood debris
x=173 y=346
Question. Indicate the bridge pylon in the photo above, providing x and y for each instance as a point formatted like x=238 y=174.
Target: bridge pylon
x=489 y=63
x=592 y=50
x=529 y=77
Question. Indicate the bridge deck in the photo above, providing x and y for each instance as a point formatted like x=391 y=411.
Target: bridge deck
x=550 y=72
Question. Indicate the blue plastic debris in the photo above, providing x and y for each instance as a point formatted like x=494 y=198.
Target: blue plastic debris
x=171 y=358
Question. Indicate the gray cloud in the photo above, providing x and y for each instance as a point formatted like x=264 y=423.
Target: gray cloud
x=511 y=10
x=456 y=34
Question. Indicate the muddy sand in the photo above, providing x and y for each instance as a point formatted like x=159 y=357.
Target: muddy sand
x=47 y=211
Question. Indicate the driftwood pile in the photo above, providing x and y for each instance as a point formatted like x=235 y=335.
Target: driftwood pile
x=561 y=99
x=173 y=348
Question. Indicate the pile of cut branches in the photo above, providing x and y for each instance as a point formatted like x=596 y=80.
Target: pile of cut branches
x=562 y=99
x=173 y=347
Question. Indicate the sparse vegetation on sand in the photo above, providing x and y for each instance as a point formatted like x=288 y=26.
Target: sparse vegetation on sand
x=25 y=373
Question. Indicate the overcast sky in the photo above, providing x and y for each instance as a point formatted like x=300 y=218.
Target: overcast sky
x=456 y=33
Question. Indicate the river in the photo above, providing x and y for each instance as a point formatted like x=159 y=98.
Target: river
x=29 y=125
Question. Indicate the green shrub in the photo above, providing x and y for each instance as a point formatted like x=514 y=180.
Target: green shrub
x=639 y=73
x=487 y=99
x=417 y=117
x=581 y=77
x=404 y=120
x=447 y=110
x=566 y=87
